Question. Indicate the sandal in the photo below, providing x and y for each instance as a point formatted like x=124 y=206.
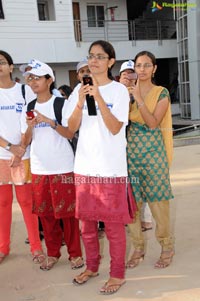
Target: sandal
x=136 y=258
x=48 y=263
x=38 y=257
x=76 y=262
x=165 y=259
x=146 y=229
x=111 y=287
x=84 y=277
x=2 y=257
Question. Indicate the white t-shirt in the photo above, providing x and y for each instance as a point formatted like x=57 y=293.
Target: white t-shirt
x=11 y=104
x=50 y=152
x=99 y=152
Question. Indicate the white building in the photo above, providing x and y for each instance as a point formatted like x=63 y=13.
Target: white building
x=59 y=32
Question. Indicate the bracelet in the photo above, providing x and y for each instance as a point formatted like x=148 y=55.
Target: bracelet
x=55 y=125
x=140 y=104
x=79 y=107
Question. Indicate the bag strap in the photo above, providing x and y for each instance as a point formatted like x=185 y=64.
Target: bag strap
x=31 y=105
x=23 y=92
x=58 y=105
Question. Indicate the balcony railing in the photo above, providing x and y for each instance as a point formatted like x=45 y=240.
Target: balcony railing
x=125 y=30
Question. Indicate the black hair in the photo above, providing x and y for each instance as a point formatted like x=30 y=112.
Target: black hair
x=108 y=48
x=66 y=89
x=52 y=87
x=8 y=59
x=147 y=53
x=152 y=58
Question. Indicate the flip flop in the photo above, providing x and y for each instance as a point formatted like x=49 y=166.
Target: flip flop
x=109 y=289
x=86 y=275
x=48 y=263
x=39 y=258
x=146 y=229
x=76 y=262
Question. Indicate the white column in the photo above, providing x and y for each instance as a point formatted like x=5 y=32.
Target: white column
x=194 y=58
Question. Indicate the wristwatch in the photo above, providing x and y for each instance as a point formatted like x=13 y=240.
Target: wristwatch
x=8 y=146
x=55 y=126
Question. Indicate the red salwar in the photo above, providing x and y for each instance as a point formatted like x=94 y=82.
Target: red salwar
x=54 y=199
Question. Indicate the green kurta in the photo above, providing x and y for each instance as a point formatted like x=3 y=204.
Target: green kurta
x=147 y=164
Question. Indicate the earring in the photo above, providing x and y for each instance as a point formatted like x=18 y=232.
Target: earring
x=153 y=75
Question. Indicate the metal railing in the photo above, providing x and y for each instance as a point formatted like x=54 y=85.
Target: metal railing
x=125 y=30
x=186 y=129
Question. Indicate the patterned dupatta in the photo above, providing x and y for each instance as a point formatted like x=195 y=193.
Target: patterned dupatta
x=165 y=126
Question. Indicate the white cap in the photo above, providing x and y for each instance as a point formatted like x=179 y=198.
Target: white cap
x=37 y=68
x=127 y=65
x=81 y=64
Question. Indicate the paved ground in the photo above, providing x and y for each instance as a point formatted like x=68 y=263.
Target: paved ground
x=21 y=280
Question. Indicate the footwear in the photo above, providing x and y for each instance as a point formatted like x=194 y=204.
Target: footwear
x=84 y=277
x=136 y=258
x=146 y=226
x=38 y=257
x=165 y=259
x=27 y=241
x=146 y=229
x=2 y=257
x=111 y=286
x=76 y=262
x=48 y=263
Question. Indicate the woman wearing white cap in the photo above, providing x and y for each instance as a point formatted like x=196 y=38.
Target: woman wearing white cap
x=52 y=168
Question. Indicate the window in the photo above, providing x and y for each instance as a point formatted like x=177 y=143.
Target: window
x=95 y=15
x=46 y=11
x=1 y=11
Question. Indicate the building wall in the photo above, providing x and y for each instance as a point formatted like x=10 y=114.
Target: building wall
x=25 y=37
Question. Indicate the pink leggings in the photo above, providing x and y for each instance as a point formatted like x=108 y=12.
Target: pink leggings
x=24 y=198
x=116 y=236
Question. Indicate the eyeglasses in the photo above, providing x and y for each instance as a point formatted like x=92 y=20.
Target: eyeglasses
x=3 y=63
x=145 y=66
x=98 y=57
x=33 y=77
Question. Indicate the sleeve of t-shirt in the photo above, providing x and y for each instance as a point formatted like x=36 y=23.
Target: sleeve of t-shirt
x=120 y=107
x=71 y=104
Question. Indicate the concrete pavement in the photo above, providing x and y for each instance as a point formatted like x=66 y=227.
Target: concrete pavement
x=22 y=280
